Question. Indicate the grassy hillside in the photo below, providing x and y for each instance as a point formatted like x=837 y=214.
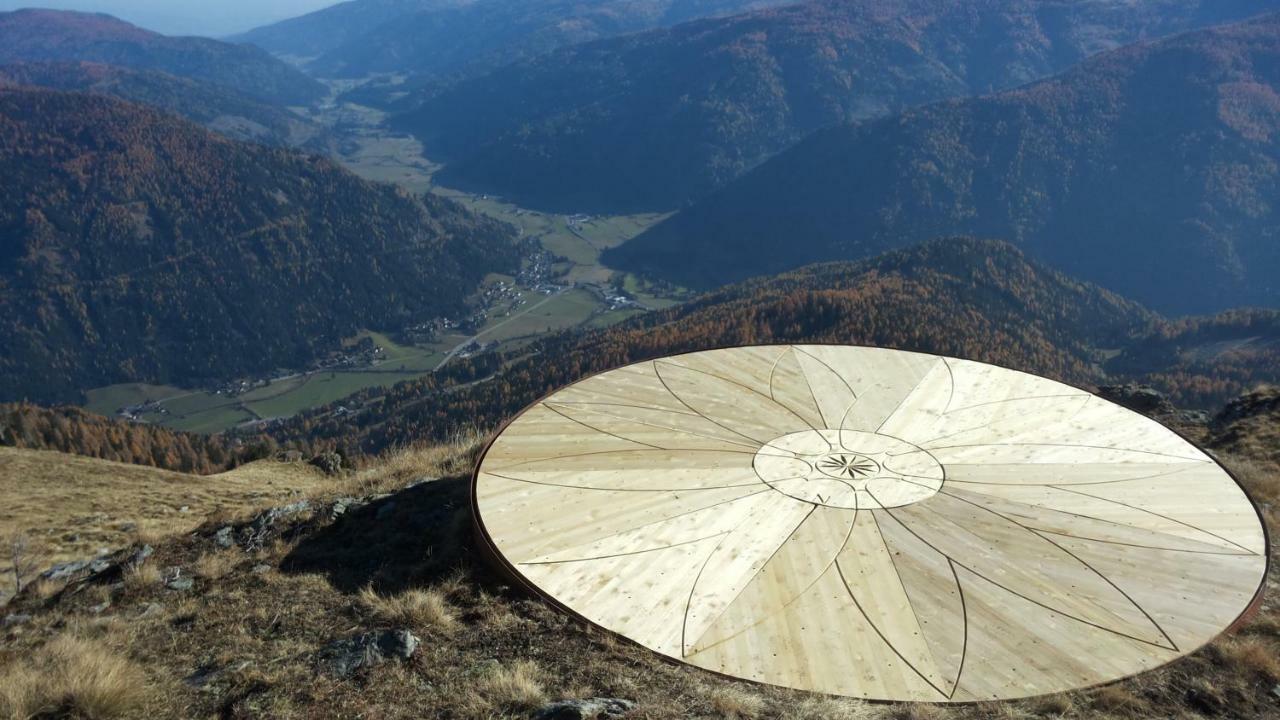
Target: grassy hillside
x=135 y=246
x=219 y=108
x=654 y=120
x=54 y=35
x=71 y=507
x=249 y=638
x=1149 y=170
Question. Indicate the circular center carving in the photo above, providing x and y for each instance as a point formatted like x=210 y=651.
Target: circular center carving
x=849 y=469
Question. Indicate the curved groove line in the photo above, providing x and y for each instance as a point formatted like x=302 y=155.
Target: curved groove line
x=603 y=432
x=951 y=380
x=905 y=591
x=853 y=523
x=602 y=489
x=1091 y=568
x=1156 y=514
x=1014 y=592
x=1076 y=514
x=988 y=425
x=883 y=639
x=1070 y=445
x=684 y=624
x=695 y=410
x=817 y=408
x=664 y=427
x=908 y=394
x=1017 y=399
x=1118 y=589
x=615 y=404
x=763 y=565
x=636 y=450
x=744 y=387
x=1185 y=467
x=616 y=555
x=843 y=416
x=964 y=644
x=1222 y=553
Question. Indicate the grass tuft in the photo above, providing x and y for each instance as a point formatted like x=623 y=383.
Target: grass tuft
x=425 y=608
x=75 y=678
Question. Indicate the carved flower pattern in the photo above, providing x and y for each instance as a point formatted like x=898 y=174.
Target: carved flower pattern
x=872 y=523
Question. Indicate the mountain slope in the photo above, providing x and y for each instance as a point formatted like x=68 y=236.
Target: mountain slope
x=219 y=108
x=137 y=246
x=1152 y=170
x=443 y=39
x=653 y=120
x=961 y=297
x=52 y=35
x=332 y=27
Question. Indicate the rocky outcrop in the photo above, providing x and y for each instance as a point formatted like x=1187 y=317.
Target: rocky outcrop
x=347 y=656
x=588 y=709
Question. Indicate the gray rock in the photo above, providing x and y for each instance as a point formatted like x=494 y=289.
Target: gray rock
x=68 y=570
x=588 y=709
x=140 y=555
x=260 y=529
x=343 y=505
x=344 y=657
x=224 y=538
x=1275 y=691
x=16 y=619
x=100 y=607
x=1139 y=398
x=180 y=584
x=261 y=568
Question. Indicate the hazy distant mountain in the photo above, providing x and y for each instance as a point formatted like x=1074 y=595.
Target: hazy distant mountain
x=653 y=120
x=445 y=39
x=329 y=28
x=217 y=107
x=52 y=35
x=138 y=246
x=1153 y=170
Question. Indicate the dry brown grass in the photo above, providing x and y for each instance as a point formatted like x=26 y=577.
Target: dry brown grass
x=404 y=465
x=77 y=505
x=214 y=565
x=141 y=577
x=426 y=608
x=73 y=677
x=508 y=688
x=732 y=701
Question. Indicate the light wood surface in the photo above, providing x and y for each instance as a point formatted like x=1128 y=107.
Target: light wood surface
x=871 y=523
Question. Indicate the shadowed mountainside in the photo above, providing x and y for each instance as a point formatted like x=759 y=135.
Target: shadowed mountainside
x=1151 y=170
x=654 y=120
x=137 y=246
x=217 y=107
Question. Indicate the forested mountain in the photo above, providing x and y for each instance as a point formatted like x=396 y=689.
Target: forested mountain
x=967 y=298
x=137 y=246
x=652 y=120
x=53 y=35
x=1153 y=170
x=76 y=431
x=445 y=39
x=217 y=107
x=315 y=33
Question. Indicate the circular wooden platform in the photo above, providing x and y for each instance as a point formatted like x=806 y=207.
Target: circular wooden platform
x=871 y=523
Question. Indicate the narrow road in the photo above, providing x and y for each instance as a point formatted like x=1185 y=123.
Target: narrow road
x=457 y=349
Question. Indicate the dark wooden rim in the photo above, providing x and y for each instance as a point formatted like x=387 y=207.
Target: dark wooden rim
x=499 y=562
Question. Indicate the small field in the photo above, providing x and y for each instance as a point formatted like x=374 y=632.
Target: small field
x=73 y=507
